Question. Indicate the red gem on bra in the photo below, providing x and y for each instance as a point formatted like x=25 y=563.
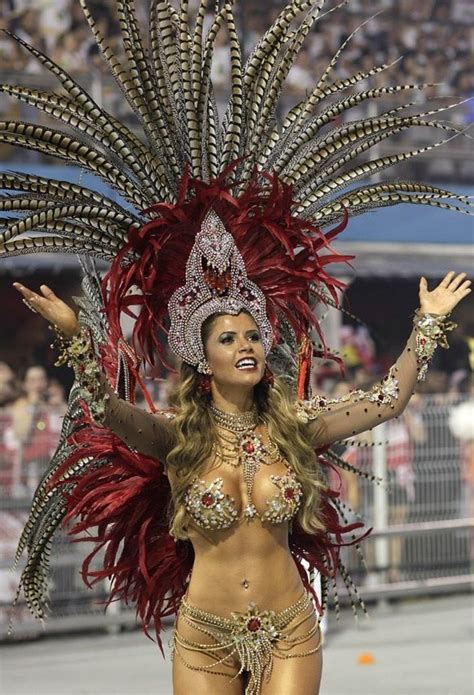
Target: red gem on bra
x=207 y=499
x=253 y=624
x=289 y=493
x=248 y=447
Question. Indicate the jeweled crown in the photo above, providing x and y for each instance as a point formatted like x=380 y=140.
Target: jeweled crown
x=216 y=282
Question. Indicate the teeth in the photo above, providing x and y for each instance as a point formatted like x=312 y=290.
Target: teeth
x=246 y=363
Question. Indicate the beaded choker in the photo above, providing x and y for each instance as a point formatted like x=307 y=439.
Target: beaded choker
x=235 y=422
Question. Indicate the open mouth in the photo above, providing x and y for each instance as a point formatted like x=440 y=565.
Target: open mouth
x=246 y=364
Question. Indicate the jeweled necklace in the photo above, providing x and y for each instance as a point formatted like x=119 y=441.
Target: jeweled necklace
x=235 y=422
x=243 y=447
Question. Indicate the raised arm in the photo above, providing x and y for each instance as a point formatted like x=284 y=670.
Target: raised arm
x=331 y=420
x=150 y=434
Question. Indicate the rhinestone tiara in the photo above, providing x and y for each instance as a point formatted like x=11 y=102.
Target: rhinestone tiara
x=216 y=282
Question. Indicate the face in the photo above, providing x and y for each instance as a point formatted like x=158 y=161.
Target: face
x=35 y=380
x=235 y=352
x=55 y=394
x=6 y=373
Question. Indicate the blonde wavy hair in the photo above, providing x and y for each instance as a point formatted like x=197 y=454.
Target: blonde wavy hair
x=196 y=434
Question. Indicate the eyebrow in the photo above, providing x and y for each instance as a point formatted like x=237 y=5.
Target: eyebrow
x=251 y=330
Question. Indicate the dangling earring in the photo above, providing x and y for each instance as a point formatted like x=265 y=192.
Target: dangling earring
x=268 y=377
x=204 y=385
x=204 y=380
x=204 y=368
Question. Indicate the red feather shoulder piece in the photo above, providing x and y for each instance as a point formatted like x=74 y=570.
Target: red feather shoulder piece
x=120 y=503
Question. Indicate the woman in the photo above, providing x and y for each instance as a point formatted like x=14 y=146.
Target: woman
x=238 y=561
x=242 y=210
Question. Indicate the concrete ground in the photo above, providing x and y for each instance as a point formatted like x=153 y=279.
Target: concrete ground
x=413 y=648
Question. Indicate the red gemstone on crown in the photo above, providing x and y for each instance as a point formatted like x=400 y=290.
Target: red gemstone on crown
x=207 y=499
x=253 y=624
x=289 y=493
x=248 y=447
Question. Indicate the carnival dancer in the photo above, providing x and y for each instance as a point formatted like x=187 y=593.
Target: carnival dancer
x=221 y=244
x=239 y=458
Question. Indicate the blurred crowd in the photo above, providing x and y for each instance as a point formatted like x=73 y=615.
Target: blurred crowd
x=31 y=412
x=430 y=41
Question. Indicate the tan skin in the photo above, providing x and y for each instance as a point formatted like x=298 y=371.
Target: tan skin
x=255 y=552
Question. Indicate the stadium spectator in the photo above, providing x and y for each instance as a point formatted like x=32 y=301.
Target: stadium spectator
x=8 y=386
x=30 y=438
x=461 y=419
x=8 y=394
x=70 y=51
x=57 y=405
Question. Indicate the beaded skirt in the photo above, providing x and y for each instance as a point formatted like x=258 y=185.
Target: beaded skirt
x=248 y=641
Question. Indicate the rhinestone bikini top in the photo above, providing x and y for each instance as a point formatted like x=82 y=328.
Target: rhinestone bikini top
x=211 y=508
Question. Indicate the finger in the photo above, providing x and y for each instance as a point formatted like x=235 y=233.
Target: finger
x=460 y=294
x=464 y=286
x=423 y=285
x=447 y=278
x=454 y=284
x=26 y=292
x=29 y=305
x=28 y=297
x=47 y=292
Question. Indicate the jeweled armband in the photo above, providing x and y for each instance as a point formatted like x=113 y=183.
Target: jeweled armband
x=431 y=331
x=384 y=392
x=78 y=352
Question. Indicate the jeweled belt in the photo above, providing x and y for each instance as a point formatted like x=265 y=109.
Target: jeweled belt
x=251 y=635
x=253 y=624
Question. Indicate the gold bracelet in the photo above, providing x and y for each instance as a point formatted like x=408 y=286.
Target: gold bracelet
x=78 y=352
x=431 y=330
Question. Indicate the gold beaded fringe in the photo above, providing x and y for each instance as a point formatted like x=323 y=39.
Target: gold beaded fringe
x=255 y=637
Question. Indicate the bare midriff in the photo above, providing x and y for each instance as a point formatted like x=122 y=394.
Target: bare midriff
x=250 y=562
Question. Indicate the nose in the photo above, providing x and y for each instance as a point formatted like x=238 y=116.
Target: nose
x=245 y=345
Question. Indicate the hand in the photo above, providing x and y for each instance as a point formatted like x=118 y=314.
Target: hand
x=51 y=308
x=443 y=298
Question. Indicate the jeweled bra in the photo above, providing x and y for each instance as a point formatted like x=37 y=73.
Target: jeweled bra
x=211 y=508
x=239 y=445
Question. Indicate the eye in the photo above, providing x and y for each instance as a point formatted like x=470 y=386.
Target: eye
x=226 y=339
x=254 y=337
